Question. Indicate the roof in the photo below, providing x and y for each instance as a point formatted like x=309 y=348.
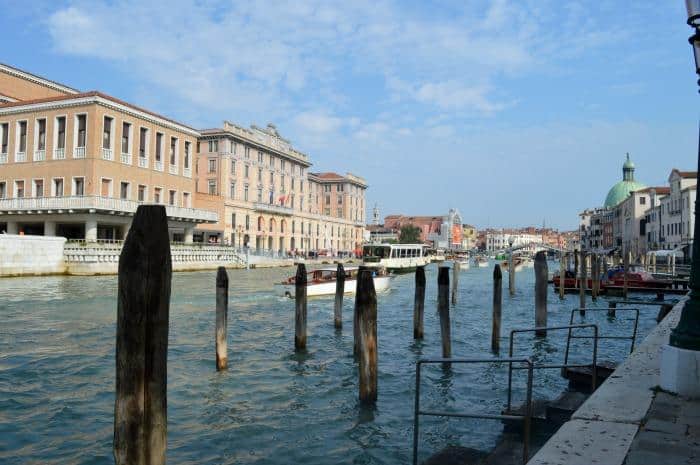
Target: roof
x=685 y=174
x=662 y=190
x=37 y=79
x=620 y=191
x=90 y=97
x=329 y=176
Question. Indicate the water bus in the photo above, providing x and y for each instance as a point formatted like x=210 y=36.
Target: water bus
x=396 y=258
x=322 y=282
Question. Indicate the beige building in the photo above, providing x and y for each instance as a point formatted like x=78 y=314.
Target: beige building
x=268 y=199
x=79 y=164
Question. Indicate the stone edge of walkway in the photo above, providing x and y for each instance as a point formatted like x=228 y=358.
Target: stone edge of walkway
x=616 y=410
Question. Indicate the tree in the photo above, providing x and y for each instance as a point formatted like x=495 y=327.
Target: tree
x=409 y=235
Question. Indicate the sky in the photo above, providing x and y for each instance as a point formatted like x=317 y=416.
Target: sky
x=513 y=112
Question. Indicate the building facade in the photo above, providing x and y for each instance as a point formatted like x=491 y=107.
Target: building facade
x=441 y=232
x=671 y=221
x=268 y=198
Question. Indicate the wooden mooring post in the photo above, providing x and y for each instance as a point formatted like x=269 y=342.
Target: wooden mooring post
x=419 y=303
x=625 y=282
x=562 y=275
x=595 y=276
x=541 y=276
x=455 y=281
x=511 y=273
x=497 y=301
x=143 y=308
x=576 y=280
x=611 y=308
x=584 y=284
x=366 y=309
x=339 y=292
x=221 y=318
x=444 y=310
x=300 y=308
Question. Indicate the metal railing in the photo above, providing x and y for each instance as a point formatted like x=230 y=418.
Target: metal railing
x=172 y=169
x=59 y=154
x=20 y=156
x=126 y=158
x=3 y=157
x=271 y=208
x=39 y=155
x=159 y=165
x=143 y=162
x=107 y=154
x=566 y=363
x=526 y=418
x=632 y=337
x=79 y=152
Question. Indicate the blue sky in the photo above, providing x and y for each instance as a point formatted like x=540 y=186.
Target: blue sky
x=514 y=112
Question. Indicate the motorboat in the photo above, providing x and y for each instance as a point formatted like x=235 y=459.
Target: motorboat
x=481 y=261
x=395 y=258
x=322 y=281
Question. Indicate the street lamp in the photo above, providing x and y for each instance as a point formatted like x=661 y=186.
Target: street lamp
x=680 y=359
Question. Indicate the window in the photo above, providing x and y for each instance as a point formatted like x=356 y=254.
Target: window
x=214 y=146
x=246 y=171
x=233 y=166
x=642 y=200
x=173 y=150
x=19 y=189
x=142 y=193
x=4 y=137
x=159 y=146
x=107 y=133
x=328 y=200
x=78 y=186
x=247 y=222
x=259 y=194
x=186 y=202
x=126 y=137
x=340 y=213
x=233 y=147
x=272 y=162
x=3 y=189
x=340 y=188
x=260 y=157
x=38 y=188
x=22 y=136
x=81 y=125
x=282 y=188
x=143 y=142
x=124 y=190
x=245 y=192
x=172 y=197
x=272 y=179
x=247 y=152
x=233 y=220
x=292 y=183
x=188 y=146
x=106 y=188
x=233 y=190
x=41 y=134
x=212 y=165
x=61 y=133
x=259 y=174
x=327 y=188
x=58 y=187
x=156 y=194
x=283 y=165
x=212 y=187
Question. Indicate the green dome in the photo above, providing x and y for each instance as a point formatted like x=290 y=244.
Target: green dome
x=621 y=191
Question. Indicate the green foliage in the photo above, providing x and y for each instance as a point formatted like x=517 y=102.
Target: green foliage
x=409 y=235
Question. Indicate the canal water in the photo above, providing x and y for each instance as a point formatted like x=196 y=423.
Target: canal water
x=57 y=337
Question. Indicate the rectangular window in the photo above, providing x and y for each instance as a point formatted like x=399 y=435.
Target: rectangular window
x=186 y=200
x=22 y=136
x=213 y=146
x=4 y=137
x=61 y=133
x=173 y=150
x=79 y=186
x=328 y=200
x=172 y=197
x=272 y=162
x=259 y=174
x=58 y=187
x=107 y=133
x=156 y=194
x=212 y=187
x=124 y=190
x=245 y=193
x=233 y=190
x=143 y=142
x=3 y=189
x=38 y=188
x=41 y=134
x=233 y=220
x=19 y=189
x=246 y=171
x=212 y=165
x=260 y=157
x=159 y=146
x=260 y=194
x=142 y=193
x=81 y=125
x=126 y=138
x=247 y=152
x=188 y=148
x=233 y=166
x=106 y=190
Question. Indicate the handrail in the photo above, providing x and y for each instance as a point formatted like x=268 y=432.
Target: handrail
x=526 y=418
x=566 y=364
x=632 y=337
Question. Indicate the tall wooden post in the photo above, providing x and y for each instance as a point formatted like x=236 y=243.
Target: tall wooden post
x=444 y=310
x=366 y=309
x=668 y=263
x=673 y=265
x=143 y=308
x=653 y=263
x=611 y=308
x=300 y=308
x=339 y=292
x=625 y=282
x=419 y=303
x=595 y=277
x=562 y=275
x=541 y=276
x=511 y=273
x=576 y=277
x=584 y=283
x=221 y=318
x=497 y=301
x=455 y=280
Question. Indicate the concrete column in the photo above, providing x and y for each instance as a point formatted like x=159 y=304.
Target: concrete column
x=125 y=231
x=12 y=227
x=49 y=228
x=189 y=234
x=91 y=230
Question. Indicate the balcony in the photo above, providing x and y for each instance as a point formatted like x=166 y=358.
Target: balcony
x=159 y=165
x=20 y=157
x=94 y=204
x=107 y=154
x=79 y=152
x=39 y=155
x=3 y=158
x=172 y=169
x=143 y=162
x=126 y=158
x=270 y=208
x=187 y=172
x=59 y=154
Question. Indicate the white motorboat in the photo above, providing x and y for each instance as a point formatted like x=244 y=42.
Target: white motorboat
x=481 y=261
x=322 y=282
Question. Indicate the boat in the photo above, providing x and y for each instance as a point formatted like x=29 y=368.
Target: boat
x=322 y=282
x=463 y=263
x=395 y=258
x=615 y=277
x=518 y=264
x=481 y=261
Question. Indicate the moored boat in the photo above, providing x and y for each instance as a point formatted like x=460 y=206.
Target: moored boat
x=322 y=282
x=395 y=258
x=518 y=264
x=481 y=261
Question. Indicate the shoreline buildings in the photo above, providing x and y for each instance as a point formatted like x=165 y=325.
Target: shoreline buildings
x=78 y=164
x=442 y=232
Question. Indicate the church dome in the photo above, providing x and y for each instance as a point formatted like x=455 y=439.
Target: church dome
x=622 y=189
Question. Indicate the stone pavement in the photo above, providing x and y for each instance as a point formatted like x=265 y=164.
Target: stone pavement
x=670 y=434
